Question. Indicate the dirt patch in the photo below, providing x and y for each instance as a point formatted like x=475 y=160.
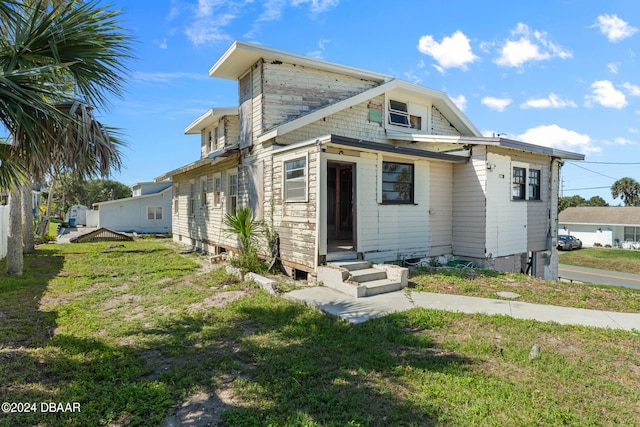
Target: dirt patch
x=200 y=410
x=218 y=300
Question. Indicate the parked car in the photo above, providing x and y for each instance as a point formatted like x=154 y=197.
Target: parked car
x=568 y=243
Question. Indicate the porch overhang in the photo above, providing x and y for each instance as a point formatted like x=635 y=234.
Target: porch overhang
x=371 y=146
x=211 y=159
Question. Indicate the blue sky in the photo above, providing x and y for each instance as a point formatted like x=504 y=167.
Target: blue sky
x=562 y=73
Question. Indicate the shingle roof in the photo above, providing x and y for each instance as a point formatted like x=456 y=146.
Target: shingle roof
x=611 y=215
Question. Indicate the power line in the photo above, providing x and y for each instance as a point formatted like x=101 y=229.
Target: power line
x=605 y=163
x=588 y=188
x=597 y=173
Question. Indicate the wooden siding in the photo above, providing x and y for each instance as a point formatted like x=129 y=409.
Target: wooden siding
x=295 y=221
x=352 y=122
x=291 y=91
x=469 y=205
x=204 y=229
x=440 y=125
x=441 y=208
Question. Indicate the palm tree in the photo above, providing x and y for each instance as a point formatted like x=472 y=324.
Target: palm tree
x=56 y=61
x=628 y=189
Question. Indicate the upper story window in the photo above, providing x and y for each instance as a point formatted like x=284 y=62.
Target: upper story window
x=209 y=142
x=534 y=184
x=295 y=180
x=397 y=183
x=400 y=115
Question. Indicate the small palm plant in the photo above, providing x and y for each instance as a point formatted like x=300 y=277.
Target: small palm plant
x=244 y=225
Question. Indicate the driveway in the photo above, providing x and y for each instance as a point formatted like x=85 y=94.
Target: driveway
x=601 y=277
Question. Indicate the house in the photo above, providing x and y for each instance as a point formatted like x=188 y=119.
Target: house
x=615 y=226
x=350 y=163
x=147 y=211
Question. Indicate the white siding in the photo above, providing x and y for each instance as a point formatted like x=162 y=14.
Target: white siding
x=469 y=205
x=441 y=208
x=130 y=214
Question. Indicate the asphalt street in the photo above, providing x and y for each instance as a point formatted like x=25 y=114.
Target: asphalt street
x=600 y=277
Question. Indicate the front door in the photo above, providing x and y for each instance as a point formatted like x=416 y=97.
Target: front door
x=340 y=207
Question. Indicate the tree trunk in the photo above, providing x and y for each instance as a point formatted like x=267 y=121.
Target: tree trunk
x=28 y=235
x=14 y=235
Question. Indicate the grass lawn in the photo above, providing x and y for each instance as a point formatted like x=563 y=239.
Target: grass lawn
x=625 y=260
x=132 y=331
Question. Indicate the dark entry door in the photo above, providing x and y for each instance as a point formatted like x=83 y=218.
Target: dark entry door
x=340 y=206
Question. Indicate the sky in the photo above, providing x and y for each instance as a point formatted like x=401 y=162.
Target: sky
x=560 y=73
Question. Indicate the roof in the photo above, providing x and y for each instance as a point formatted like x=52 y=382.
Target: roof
x=439 y=99
x=211 y=159
x=134 y=198
x=606 y=215
x=240 y=56
x=209 y=118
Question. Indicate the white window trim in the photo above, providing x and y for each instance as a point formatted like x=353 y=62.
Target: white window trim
x=289 y=158
x=526 y=167
x=203 y=192
x=413 y=109
x=154 y=213
x=229 y=174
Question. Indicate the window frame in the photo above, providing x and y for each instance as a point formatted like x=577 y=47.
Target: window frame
x=191 y=207
x=286 y=197
x=154 y=213
x=534 y=186
x=217 y=190
x=521 y=186
x=406 y=115
x=203 y=192
x=412 y=184
x=233 y=190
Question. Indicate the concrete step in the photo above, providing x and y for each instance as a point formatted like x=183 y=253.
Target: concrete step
x=382 y=286
x=353 y=265
x=367 y=275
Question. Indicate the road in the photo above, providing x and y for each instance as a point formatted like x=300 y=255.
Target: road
x=595 y=276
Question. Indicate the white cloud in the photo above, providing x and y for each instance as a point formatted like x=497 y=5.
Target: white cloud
x=452 y=52
x=605 y=94
x=528 y=45
x=319 y=53
x=556 y=137
x=162 y=44
x=317 y=6
x=633 y=90
x=498 y=104
x=620 y=141
x=460 y=101
x=167 y=77
x=614 y=28
x=613 y=67
x=552 y=101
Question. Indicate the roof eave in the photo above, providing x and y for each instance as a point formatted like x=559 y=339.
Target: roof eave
x=208 y=118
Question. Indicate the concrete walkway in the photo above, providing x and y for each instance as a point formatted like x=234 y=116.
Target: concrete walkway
x=358 y=310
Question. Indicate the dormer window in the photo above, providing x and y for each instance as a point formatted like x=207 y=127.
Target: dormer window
x=399 y=115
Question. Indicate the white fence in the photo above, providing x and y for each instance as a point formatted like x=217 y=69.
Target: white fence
x=4 y=228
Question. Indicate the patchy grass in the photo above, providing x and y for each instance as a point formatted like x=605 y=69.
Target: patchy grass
x=487 y=283
x=136 y=330
x=624 y=260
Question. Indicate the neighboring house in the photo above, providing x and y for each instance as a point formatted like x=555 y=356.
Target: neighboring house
x=147 y=211
x=77 y=214
x=353 y=163
x=616 y=226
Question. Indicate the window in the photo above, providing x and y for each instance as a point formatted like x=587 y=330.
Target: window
x=203 y=192
x=216 y=137
x=233 y=192
x=534 y=184
x=399 y=115
x=217 y=191
x=397 y=183
x=192 y=200
x=209 y=142
x=295 y=180
x=518 y=185
x=631 y=234
x=176 y=202
x=154 y=212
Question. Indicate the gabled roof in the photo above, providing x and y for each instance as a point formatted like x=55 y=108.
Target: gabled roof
x=597 y=215
x=439 y=99
x=134 y=198
x=240 y=56
x=210 y=117
x=211 y=159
